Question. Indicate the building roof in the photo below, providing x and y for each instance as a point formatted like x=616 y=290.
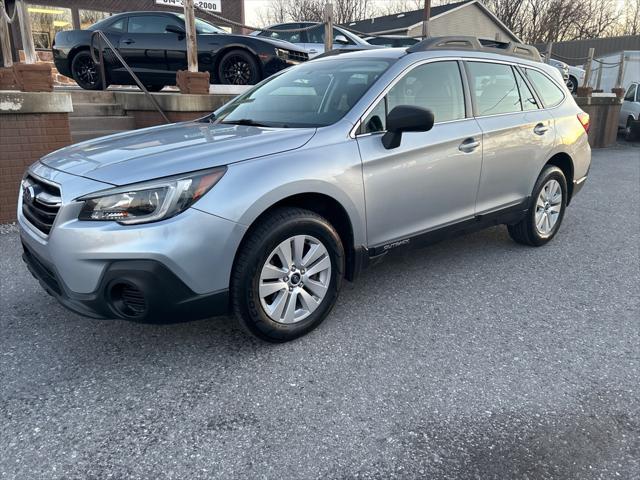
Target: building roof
x=400 y=21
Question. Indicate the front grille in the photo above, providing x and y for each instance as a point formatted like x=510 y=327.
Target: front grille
x=40 y=203
x=298 y=56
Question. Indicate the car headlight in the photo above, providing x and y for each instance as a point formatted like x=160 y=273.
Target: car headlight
x=149 y=201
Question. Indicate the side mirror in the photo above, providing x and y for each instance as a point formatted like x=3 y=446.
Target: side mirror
x=341 y=39
x=177 y=29
x=406 y=118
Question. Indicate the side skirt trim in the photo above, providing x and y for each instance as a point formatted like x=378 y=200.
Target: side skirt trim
x=507 y=215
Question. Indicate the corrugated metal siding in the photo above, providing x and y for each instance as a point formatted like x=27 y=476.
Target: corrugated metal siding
x=575 y=52
x=470 y=20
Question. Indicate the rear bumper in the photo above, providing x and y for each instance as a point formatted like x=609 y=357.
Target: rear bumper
x=163 y=296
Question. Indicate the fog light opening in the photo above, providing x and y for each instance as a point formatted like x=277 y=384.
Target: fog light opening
x=127 y=300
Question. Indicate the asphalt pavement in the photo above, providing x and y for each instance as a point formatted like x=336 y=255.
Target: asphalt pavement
x=476 y=358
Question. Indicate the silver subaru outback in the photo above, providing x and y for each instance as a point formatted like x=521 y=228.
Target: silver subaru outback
x=264 y=207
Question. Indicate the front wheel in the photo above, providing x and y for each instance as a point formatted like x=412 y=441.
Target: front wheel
x=546 y=209
x=238 y=67
x=572 y=84
x=287 y=275
x=85 y=71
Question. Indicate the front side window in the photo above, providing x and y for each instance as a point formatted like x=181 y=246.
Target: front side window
x=549 y=92
x=436 y=86
x=150 y=24
x=313 y=94
x=293 y=37
x=495 y=88
x=631 y=94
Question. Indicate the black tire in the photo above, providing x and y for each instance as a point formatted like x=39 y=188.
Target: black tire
x=629 y=133
x=238 y=67
x=85 y=71
x=272 y=230
x=525 y=231
x=572 y=84
x=154 y=88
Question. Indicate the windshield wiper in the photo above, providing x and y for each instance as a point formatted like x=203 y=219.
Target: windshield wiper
x=245 y=121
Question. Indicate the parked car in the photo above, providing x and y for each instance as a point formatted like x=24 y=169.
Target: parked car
x=629 y=118
x=260 y=208
x=392 y=41
x=312 y=41
x=154 y=46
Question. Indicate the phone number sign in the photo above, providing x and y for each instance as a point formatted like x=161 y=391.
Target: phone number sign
x=208 y=5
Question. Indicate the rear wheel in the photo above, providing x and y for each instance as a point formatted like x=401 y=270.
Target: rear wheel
x=546 y=209
x=287 y=275
x=238 y=67
x=85 y=71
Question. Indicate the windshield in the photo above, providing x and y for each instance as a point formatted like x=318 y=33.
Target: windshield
x=204 y=27
x=314 y=94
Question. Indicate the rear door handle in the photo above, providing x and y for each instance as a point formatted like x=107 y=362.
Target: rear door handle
x=128 y=41
x=469 y=145
x=540 y=129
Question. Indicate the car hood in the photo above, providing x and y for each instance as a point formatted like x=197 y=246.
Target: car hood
x=171 y=150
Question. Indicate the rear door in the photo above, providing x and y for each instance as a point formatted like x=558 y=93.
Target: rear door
x=431 y=179
x=517 y=135
x=147 y=47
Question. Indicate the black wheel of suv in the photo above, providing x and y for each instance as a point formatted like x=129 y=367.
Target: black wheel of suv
x=629 y=133
x=85 y=71
x=572 y=84
x=238 y=67
x=287 y=275
x=546 y=209
x=154 y=88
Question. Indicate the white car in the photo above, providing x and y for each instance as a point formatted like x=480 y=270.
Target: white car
x=629 y=118
x=313 y=40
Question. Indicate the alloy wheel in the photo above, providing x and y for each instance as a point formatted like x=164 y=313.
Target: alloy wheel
x=548 y=207
x=294 y=279
x=236 y=70
x=86 y=71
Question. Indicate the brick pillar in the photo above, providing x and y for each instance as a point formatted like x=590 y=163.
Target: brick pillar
x=31 y=125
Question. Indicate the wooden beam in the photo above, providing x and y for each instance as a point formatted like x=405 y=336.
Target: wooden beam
x=192 y=44
x=25 y=30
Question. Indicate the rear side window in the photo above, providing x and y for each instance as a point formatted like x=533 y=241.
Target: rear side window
x=550 y=93
x=495 y=88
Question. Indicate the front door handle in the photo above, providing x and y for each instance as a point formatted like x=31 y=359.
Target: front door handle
x=469 y=145
x=128 y=41
x=540 y=129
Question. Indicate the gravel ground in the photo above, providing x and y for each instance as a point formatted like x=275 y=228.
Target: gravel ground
x=474 y=358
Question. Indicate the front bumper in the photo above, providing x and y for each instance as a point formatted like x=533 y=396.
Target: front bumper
x=163 y=296
x=180 y=264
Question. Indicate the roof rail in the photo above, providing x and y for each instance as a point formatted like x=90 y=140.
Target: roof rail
x=478 y=45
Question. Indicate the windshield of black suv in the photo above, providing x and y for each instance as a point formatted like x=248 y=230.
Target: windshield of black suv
x=314 y=94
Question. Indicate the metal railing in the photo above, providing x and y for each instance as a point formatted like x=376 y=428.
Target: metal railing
x=100 y=62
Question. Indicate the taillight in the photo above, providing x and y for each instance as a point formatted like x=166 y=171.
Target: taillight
x=583 y=118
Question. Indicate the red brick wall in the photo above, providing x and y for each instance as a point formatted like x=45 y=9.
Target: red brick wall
x=24 y=138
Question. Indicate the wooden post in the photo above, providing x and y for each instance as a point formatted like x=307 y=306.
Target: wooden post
x=587 y=73
x=620 y=78
x=328 y=27
x=425 y=18
x=25 y=31
x=192 y=44
x=549 y=51
x=599 y=78
x=5 y=42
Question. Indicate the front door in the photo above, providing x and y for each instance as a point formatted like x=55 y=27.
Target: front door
x=431 y=179
x=315 y=41
x=145 y=47
x=517 y=135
